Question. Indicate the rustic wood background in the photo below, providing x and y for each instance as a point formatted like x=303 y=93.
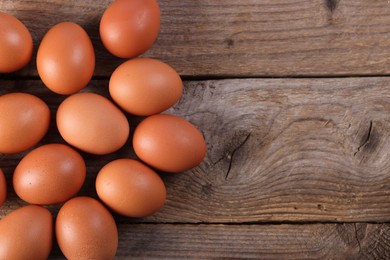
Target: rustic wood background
x=293 y=98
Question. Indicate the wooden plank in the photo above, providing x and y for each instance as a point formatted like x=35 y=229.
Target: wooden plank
x=319 y=241
x=286 y=149
x=241 y=38
x=278 y=150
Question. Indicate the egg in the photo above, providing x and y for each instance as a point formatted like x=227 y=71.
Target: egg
x=24 y=121
x=85 y=229
x=49 y=174
x=169 y=143
x=130 y=188
x=3 y=188
x=66 y=58
x=16 y=44
x=129 y=28
x=26 y=233
x=92 y=123
x=144 y=86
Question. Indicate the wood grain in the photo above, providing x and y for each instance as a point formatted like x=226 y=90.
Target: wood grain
x=319 y=241
x=243 y=38
x=279 y=150
x=286 y=157
x=286 y=150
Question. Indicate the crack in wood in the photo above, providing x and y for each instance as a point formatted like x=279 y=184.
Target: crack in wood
x=366 y=141
x=357 y=237
x=231 y=155
x=216 y=162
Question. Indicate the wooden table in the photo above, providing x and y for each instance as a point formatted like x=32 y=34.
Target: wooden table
x=293 y=98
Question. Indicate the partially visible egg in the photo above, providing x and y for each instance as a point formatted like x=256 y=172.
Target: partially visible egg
x=66 y=58
x=16 y=44
x=24 y=121
x=3 y=188
x=49 y=174
x=129 y=28
x=92 y=123
x=144 y=86
x=130 y=188
x=169 y=143
x=85 y=229
x=26 y=233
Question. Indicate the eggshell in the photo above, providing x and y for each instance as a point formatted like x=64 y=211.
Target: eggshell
x=144 y=86
x=24 y=121
x=85 y=229
x=66 y=58
x=169 y=143
x=92 y=123
x=129 y=28
x=26 y=233
x=130 y=188
x=16 y=44
x=49 y=174
x=3 y=188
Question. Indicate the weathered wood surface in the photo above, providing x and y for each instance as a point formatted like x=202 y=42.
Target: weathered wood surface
x=297 y=151
x=341 y=241
x=241 y=38
x=318 y=241
x=278 y=150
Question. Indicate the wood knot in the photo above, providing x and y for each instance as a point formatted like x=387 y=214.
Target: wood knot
x=331 y=5
x=229 y=42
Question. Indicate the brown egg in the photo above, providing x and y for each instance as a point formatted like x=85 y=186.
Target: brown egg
x=92 y=123
x=49 y=174
x=24 y=121
x=130 y=188
x=3 y=188
x=169 y=143
x=66 y=58
x=145 y=86
x=129 y=28
x=16 y=45
x=26 y=233
x=85 y=229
